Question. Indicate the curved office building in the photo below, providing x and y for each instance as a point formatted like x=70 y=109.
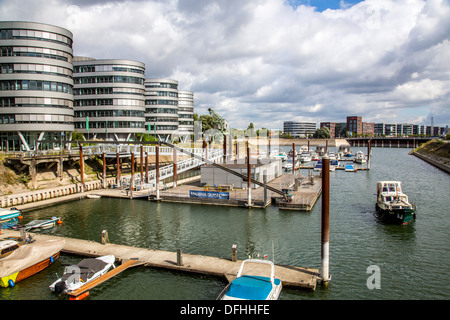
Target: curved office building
x=299 y=129
x=109 y=98
x=161 y=107
x=36 y=99
x=185 y=113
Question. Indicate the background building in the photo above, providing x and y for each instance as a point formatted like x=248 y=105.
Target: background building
x=109 y=98
x=36 y=85
x=161 y=107
x=354 y=125
x=185 y=113
x=299 y=129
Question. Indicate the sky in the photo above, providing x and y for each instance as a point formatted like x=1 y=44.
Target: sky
x=270 y=61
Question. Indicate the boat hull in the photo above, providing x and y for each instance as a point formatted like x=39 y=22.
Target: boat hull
x=28 y=272
x=395 y=216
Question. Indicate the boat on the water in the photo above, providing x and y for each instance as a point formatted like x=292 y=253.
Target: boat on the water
x=392 y=204
x=253 y=287
x=42 y=224
x=350 y=168
x=7 y=247
x=28 y=260
x=360 y=157
x=9 y=217
x=85 y=271
x=305 y=157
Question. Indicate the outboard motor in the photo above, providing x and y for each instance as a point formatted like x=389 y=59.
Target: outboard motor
x=60 y=287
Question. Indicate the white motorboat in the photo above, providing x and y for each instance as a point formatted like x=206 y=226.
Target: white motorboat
x=85 y=271
x=253 y=287
x=42 y=224
x=392 y=204
x=278 y=154
x=305 y=157
x=360 y=157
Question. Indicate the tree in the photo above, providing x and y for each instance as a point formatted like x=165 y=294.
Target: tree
x=323 y=132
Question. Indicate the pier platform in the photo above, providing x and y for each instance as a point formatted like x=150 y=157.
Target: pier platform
x=291 y=276
x=304 y=195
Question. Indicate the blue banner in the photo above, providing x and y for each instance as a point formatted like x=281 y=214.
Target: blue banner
x=209 y=194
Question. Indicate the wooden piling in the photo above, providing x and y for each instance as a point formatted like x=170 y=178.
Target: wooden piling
x=174 y=158
x=325 y=232
x=82 y=166
x=157 y=171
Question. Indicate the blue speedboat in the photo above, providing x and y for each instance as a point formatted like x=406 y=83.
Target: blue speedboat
x=350 y=168
x=253 y=287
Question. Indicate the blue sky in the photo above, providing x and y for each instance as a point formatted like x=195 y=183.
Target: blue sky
x=270 y=61
x=323 y=5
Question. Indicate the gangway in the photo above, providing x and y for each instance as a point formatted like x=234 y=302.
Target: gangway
x=240 y=175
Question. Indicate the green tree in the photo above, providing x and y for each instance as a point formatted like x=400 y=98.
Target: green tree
x=323 y=132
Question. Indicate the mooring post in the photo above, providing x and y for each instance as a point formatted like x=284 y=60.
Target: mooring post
x=234 y=253
x=141 y=159
x=132 y=175
x=104 y=236
x=293 y=159
x=82 y=167
x=118 y=169
x=104 y=170
x=249 y=178
x=179 y=258
x=146 y=168
x=224 y=149
x=325 y=249
x=174 y=157
x=157 y=170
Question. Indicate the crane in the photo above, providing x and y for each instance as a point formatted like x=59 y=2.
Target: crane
x=219 y=123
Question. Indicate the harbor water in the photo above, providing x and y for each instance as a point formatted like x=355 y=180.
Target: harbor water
x=412 y=261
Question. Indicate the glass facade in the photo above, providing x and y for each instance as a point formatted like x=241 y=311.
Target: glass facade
x=109 y=98
x=36 y=84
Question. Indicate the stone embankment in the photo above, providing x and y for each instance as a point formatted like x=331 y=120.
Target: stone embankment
x=436 y=153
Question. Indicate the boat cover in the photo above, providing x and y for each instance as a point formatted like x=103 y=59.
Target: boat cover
x=251 y=287
x=88 y=267
x=28 y=255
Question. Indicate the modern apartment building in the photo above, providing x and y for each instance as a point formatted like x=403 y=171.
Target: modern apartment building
x=36 y=100
x=109 y=98
x=354 y=125
x=185 y=113
x=299 y=129
x=169 y=112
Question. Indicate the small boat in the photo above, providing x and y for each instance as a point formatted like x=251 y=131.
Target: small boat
x=350 y=168
x=85 y=271
x=28 y=260
x=278 y=154
x=360 y=157
x=93 y=196
x=392 y=204
x=7 y=247
x=318 y=166
x=252 y=287
x=334 y=164
x=305 y=157
x=9 y=217
x=42 y=224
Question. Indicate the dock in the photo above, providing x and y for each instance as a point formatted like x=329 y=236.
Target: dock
x=304 y=195
x=290 y=276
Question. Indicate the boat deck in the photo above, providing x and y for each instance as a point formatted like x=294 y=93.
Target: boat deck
x=290 y=276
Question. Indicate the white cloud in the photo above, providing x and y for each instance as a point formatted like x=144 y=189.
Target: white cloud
x=265 y=62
